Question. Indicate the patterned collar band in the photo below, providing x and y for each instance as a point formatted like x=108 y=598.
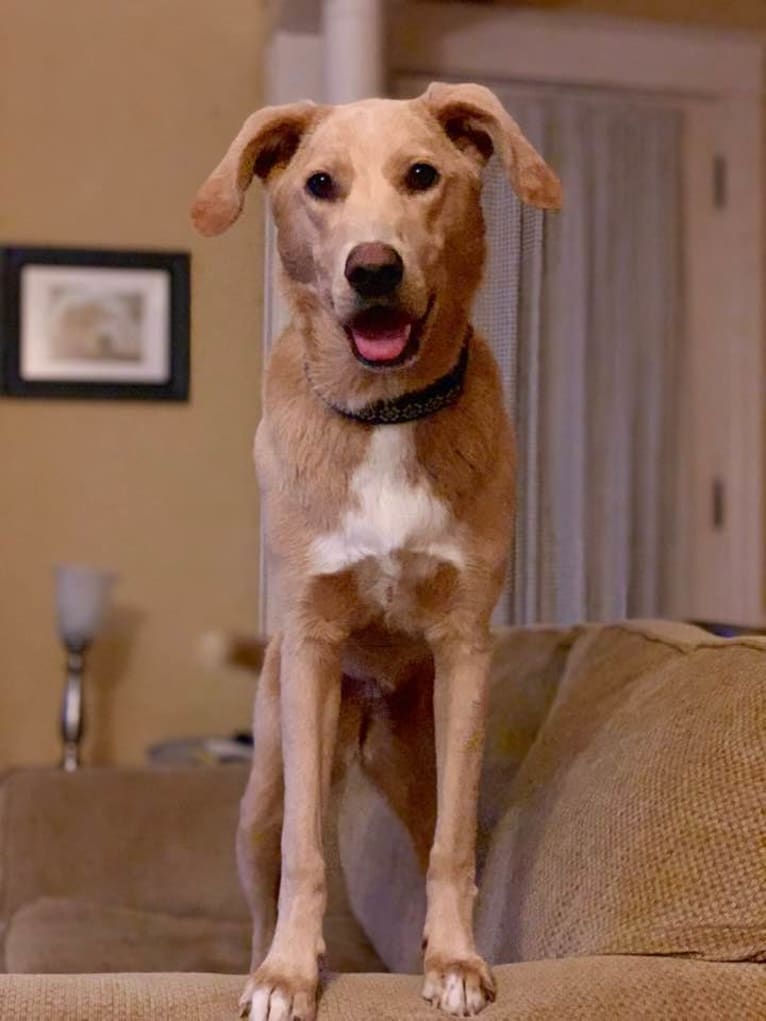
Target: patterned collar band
x=409 y=407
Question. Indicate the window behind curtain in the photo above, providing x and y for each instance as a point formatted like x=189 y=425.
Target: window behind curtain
x=583 y=311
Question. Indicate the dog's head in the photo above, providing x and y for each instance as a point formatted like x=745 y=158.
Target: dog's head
x=378 y=211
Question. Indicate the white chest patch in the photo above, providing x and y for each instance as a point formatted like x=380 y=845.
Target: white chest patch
x=388 y=513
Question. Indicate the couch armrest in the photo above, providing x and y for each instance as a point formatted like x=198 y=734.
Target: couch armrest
x=151 y=839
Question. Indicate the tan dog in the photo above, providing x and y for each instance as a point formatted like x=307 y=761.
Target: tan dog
x=386 y=461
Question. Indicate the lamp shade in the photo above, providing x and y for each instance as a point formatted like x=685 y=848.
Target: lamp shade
x=82 y=596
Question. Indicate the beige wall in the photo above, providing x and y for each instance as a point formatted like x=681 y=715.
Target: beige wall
x=111 y=114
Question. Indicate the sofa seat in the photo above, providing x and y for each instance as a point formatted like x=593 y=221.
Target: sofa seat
x=570 y=989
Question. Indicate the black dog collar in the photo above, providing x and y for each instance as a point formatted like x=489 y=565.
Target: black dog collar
x=409 y=407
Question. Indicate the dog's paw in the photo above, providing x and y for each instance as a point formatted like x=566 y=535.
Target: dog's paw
x=269 y=996
x=461 y=988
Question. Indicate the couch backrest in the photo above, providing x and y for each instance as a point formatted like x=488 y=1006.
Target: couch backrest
x=623 y=803
x=153 y=839
x=637 y=822
x=146 y=846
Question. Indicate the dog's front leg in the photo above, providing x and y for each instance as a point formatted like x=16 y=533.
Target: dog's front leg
x=456 y=979
x=284 y=987
x=261 y=810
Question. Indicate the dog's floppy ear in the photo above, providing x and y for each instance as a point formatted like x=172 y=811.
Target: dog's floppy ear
x=478 y=123
x=265 y=144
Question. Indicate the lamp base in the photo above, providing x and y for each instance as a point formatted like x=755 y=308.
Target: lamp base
x=72 y=710
x=70 y=760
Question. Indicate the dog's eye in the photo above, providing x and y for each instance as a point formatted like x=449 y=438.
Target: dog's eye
x=321 y=186
x=421 y=177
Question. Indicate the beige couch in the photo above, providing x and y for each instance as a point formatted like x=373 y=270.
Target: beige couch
x=622 y=852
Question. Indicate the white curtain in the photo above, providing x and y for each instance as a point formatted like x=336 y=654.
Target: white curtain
x=583 y=309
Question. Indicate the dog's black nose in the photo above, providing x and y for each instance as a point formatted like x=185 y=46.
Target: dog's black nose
x=374 y=269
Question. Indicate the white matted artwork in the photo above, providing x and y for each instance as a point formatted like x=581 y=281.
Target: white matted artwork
x=95 y=324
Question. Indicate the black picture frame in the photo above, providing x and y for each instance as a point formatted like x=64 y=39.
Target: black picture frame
x=172 y=333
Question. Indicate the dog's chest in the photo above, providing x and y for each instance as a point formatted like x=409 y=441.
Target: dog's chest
x=392 y=516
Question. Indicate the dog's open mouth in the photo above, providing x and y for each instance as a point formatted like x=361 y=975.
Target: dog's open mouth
x=382 y=337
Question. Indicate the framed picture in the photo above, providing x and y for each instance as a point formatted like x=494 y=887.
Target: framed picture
x=94 y=324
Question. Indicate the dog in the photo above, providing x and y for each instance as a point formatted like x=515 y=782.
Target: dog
x=386 y=462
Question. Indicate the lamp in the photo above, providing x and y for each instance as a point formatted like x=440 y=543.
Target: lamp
x=82 y=595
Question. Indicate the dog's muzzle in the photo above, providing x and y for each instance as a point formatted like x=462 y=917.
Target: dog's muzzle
x=383 y=333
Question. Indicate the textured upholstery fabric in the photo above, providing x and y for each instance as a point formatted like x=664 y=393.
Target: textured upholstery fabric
x=636 y=823
x=106 y=855
x=638 y=819
x=65 y=936
x=139 y=838
x=574 y=989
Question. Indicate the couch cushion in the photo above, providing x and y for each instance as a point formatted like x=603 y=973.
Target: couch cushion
x=638 y=819
x=71 y=936
x=576 y=989
x=152 y=839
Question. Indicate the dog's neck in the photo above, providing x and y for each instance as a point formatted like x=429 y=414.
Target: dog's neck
x=410 y=405
x=335 y=377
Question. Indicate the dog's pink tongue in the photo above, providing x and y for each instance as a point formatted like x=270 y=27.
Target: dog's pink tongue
x=380 y=341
